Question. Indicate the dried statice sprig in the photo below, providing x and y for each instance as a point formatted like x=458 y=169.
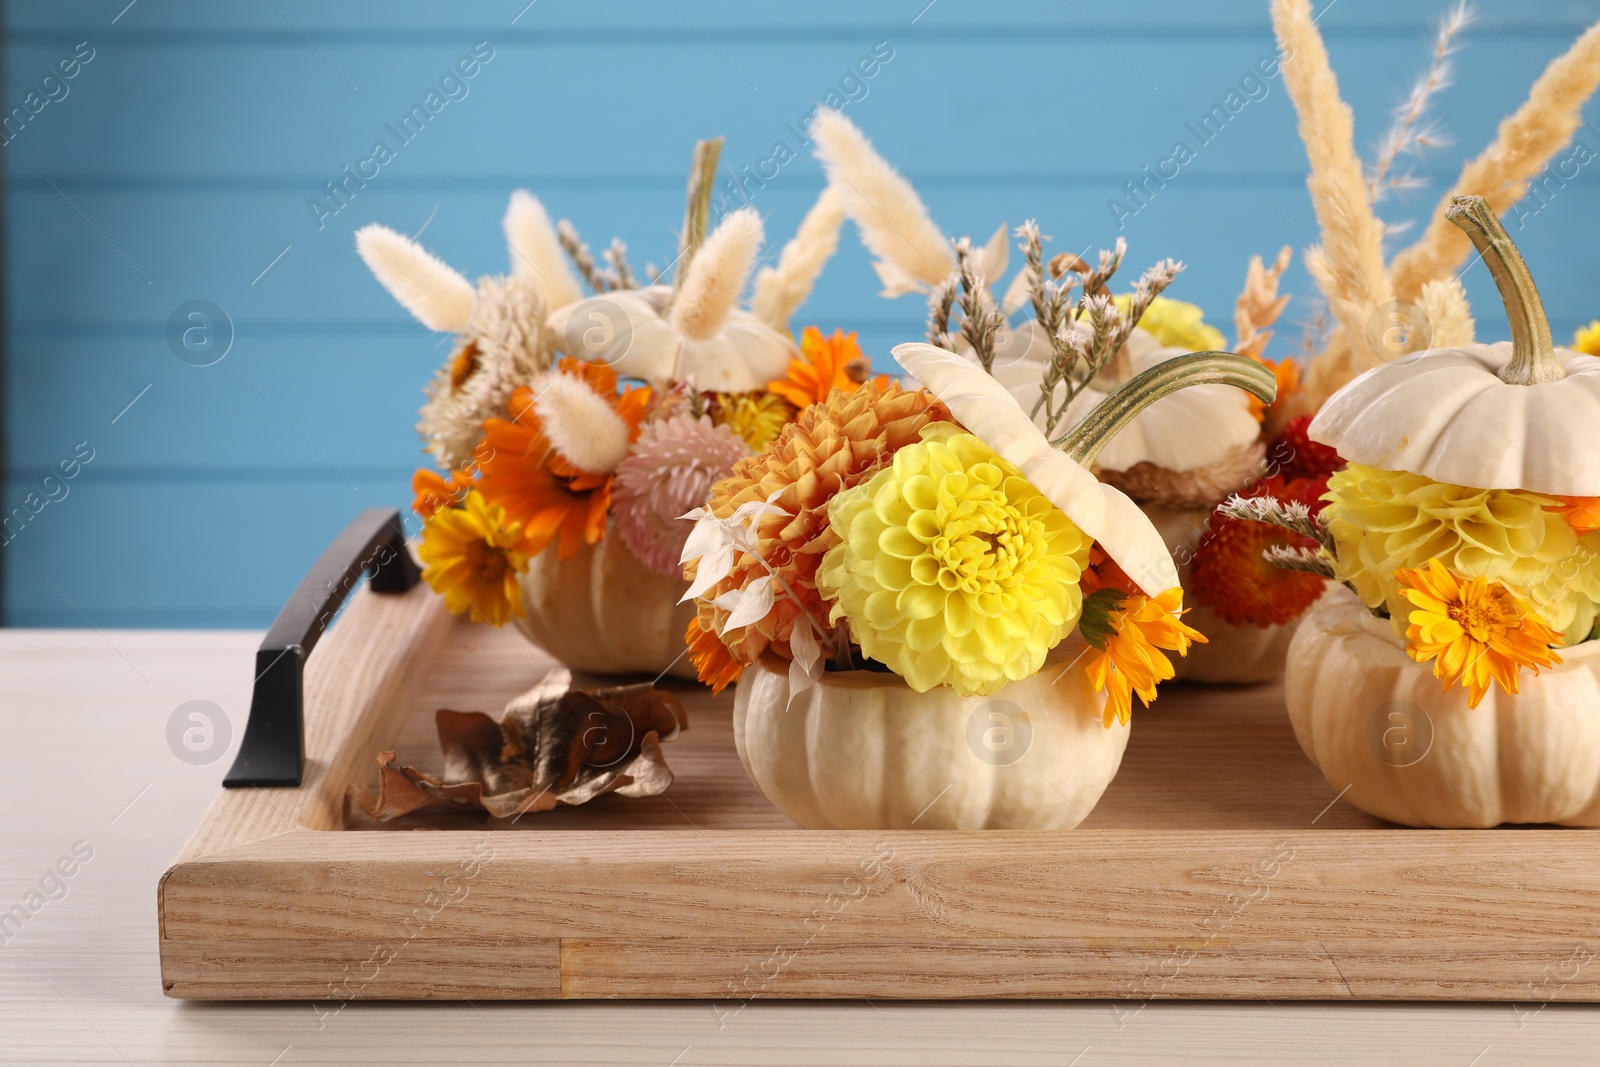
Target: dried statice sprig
x=617 y=257
x=1411 y=132
x=981 y=318
x=940 y=306
x=1087 y=336
x=1299 y=558
x=600 y=280
x=1292 y=516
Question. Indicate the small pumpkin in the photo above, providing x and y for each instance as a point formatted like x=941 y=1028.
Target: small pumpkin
x=605 y=612
x=1514 y=416
x=859 y=750
x=1375 y=721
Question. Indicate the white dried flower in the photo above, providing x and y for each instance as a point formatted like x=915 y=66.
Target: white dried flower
x=580 y=424
x=503 y=345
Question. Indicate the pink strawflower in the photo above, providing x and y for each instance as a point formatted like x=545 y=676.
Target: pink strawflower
x=669 y=471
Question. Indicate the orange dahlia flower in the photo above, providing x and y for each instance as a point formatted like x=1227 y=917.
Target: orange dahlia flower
x=833 y=445
x=549 y=496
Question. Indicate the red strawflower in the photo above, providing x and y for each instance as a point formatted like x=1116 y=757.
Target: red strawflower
x=1230 y=577
x=1292 y=454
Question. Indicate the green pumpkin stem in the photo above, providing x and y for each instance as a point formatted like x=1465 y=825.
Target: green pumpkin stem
x=1533 y=353
x=697 y=212
x=1085 y=440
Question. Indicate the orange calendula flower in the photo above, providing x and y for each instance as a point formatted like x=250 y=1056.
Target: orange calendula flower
x=1475 y=631
x=1581 y=512
x=826 y=364
x=471 y=556
x=432 y=490
x=1130 y=631
x=712 y=661
x=540 y=489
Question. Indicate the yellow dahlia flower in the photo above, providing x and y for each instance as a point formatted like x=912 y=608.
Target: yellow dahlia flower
x=1178 y=324
x=1385 y=521
x=951 y=568
x=1587 y=339
x=471 y=556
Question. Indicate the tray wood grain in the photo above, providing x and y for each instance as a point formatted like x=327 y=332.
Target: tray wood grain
x=1219 y=864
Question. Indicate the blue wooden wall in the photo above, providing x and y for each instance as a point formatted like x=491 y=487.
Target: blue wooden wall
x=179 y=164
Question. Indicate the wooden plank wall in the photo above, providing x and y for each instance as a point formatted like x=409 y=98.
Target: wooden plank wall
x=179 y=164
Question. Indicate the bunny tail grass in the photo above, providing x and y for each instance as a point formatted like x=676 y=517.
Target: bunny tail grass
x=439 y=297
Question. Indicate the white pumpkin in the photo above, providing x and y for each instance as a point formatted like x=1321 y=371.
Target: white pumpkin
x=605 y=612
x=859 y=750
x=1232 y=654
x=1514 y=415
x=1506 y=416
x=630 y=331
x=1376 y=721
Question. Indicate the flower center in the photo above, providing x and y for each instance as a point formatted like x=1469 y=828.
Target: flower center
x=984 y=542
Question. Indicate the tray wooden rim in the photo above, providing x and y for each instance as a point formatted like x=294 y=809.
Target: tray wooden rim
x=272 y=897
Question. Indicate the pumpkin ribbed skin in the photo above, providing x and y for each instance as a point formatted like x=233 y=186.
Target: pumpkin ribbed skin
x=861 y=751
x=1528 y=757
x=605 y=612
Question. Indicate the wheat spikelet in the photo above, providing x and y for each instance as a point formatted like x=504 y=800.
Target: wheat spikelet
x=909 y=252
x=781 y=289
x=1523 y=145
x=716 y=275
x=1259 y=304
x=536 y=251
x=439 y=297
x=1353 y=277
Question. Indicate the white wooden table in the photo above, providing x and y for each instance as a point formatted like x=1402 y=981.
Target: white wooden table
x=84 y=730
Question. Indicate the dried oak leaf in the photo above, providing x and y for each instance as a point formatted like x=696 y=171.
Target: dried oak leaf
x=549 y=748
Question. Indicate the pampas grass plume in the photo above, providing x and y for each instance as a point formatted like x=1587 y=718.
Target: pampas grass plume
x=581 y=425
x=781 y=289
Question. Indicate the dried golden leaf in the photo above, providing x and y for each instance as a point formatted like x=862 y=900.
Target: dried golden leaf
x=549 y=748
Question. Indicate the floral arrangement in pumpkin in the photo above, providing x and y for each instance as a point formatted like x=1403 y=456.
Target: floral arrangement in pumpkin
x=1180 y=458
x=938 y=532
x=1481 y=571
x=1482 y=583
x=561 y=419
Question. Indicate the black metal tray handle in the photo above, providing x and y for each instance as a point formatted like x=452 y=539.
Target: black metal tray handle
x=273 y=746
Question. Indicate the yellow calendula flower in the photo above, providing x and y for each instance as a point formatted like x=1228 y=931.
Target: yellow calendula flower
x=1130 y=631
x=1587 y=339
x=471 y=556
x=1177 y=324
x=951 y=568
x=1475 y=631
x=1386 y=521
x=757 y=417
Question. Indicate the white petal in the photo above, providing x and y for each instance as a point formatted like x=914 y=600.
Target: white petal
x=714 y=566
x=706 y=535
x=754 y=605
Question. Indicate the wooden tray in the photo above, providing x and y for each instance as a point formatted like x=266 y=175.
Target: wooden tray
x=1219 y=865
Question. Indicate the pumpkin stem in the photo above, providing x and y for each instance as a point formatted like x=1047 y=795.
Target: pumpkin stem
x=697 y=212
x=1085 y=440
x=1533 y=353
